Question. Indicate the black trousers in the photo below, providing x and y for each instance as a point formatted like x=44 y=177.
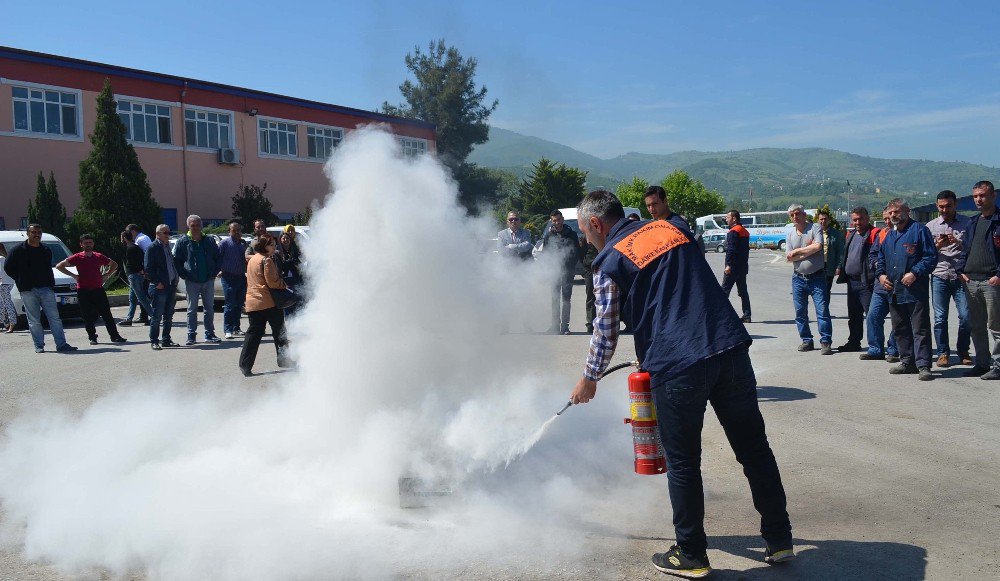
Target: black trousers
x=94 y=304
x=274 y=317
x=740 y=280
x=912 y=324
x=859 y=296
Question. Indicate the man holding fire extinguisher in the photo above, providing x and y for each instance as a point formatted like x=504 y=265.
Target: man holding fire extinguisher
x=689 y=339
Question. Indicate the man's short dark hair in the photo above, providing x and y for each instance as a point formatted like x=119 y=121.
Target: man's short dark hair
x=737 y=214
x=259 y=220
x=128 y=236
x=602 y=204
x=133 y=228
x=656 y=191
x=947 y=195
x=33 y=225
x=860 y=210
x=86 y=236
x=984 y=185
x=555 y=213
x=262 y=242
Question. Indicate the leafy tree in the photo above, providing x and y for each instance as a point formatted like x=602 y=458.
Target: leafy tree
x=47 y=210
x=445 y=94
x=632 y=195
x=690 y=198
x=825 y=209
x=114 y=190
x=251 y=204
x=302 y=218
x=550 y=186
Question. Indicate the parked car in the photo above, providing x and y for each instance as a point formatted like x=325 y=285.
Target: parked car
x=716 y=242
x=65 y=288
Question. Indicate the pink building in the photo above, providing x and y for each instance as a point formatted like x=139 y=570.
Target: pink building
x=198 y=141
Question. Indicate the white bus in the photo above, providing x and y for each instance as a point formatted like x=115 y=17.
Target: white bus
x=718 y=221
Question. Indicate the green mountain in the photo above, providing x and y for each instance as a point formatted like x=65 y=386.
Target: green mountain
x=775 y=174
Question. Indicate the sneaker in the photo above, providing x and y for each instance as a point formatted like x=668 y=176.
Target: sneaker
x=66 y=348
x=976 y=372
x=168 y=343
x=229 y=335
x=212 y=338
x=246 y=372
x=745 y=319
x=125 y=323
x=825 y=349
x=992 y=374
x=869 y=356
x=39 y=349
x=849 y=348
x=806 y=346
x=119 y=339
x=925 y=374
x=238 y=333
x=590 y=328
x=93 y=340
x=674 y=562
x=778 y=555
x=892 y=358
x=190 y=342
x=566 y=332
x=903 y=369
x=155 y=346
x=942 y=361
x=966 y=358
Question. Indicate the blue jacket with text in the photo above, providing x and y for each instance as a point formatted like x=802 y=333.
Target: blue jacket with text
x=911 y=250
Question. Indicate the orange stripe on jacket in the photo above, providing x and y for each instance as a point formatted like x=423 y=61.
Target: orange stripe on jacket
x=740 y=231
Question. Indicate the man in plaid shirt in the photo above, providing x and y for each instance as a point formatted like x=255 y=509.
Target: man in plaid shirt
x=689 y=338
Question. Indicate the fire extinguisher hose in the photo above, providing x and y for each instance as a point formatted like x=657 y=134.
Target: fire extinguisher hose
x=607 y=372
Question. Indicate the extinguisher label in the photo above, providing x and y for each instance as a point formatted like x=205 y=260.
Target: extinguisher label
x=643 y=411
x=646 y=441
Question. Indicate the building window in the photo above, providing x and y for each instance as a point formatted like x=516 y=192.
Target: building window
x=322 y=141
x=278 y=138
x=412 y=147
x=145 y=122
x=45 y=111
x=206 y=129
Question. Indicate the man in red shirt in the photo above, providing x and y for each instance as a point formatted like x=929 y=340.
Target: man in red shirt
x=90 y=287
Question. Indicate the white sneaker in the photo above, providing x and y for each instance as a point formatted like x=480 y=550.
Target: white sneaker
x=238 y=333
x=229 y=335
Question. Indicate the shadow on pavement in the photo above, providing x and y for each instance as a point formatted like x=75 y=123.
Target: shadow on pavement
x=776 y=393
x=817 y=560
x=763 y=337
x=93 y=350
x=781 y=322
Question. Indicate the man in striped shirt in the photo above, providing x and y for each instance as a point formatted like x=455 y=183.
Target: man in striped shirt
x=652 y=275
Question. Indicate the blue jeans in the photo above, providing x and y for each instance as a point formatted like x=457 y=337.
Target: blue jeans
x=802 y=288
x=727 y=380
x=39 y=300
x=878 y=310
x=234 y=288
x=205 y=292
x=163 y=302
x=942 y=292
x=137 y=295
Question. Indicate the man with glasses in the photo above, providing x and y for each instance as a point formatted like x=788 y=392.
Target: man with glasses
x=515 y=241
x=30 y=265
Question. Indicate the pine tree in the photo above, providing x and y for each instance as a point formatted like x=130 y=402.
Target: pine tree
x=46 y=209
x=251 y=204
x=114 y=190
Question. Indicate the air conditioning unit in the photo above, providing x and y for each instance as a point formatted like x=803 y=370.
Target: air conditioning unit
x=229 y=156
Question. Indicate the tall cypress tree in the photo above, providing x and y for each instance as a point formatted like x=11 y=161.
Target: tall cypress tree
x=46 y=209
x=114 y=190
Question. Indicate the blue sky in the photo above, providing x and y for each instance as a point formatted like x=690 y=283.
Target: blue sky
x=914 y=79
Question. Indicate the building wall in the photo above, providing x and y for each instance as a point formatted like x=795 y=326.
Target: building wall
x=185 y=180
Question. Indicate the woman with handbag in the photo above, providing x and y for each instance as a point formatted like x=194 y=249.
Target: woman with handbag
x=265 y=292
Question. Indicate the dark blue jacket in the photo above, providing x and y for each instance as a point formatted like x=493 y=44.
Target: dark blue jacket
x=992 y=239
x=911 y=250
x=669 y=296
x=738 y=250
x=155 y=263
x=186 y=259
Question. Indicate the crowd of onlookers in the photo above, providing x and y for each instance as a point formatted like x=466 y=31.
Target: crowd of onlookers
x=258 y=277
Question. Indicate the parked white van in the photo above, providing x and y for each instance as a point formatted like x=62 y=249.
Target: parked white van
x=65 y=286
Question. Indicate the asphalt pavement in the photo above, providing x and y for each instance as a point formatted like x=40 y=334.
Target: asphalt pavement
x=887 y=477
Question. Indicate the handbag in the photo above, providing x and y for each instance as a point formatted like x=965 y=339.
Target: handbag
x=283 y=297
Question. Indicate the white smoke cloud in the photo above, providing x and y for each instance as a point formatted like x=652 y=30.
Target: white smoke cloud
x=403 y=370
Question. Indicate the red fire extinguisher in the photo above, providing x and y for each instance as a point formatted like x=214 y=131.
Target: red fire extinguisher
x=649 y=457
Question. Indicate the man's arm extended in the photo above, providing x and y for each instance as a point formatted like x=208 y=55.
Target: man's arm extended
x=604 y=340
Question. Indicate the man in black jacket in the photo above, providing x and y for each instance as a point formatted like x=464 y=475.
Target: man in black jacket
x=30 y=265
x=737 y=261
x=857 y=272
x=163 y=277
x=979 y=269
x=561 y=241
